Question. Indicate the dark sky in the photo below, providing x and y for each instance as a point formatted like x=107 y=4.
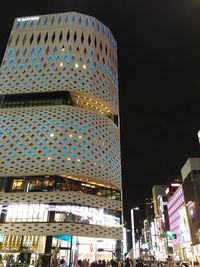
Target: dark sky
x=159 y=77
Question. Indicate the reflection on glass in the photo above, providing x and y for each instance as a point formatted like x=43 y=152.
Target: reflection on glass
x=62 y=213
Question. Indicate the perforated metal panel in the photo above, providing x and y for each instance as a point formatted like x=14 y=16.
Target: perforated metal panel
x=62 y=52
x=83 y=143
x=60 y=197
x=67 y=51
x=43 y=229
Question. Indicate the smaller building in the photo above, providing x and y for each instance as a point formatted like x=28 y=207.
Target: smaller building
x=157 y=191
x=191 y=188
x=179 y=227
x=161 y=223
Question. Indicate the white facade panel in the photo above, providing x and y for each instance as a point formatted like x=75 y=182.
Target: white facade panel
x=71 y=197
x=59 y=140
x=46 y=229
x=62 y=52
x=192 y=164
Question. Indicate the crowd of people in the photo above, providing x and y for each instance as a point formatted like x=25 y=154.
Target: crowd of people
x=112 y=263
x=132 y=263
x=103 y=263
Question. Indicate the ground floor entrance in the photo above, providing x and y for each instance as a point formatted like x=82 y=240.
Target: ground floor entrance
x=56 y=249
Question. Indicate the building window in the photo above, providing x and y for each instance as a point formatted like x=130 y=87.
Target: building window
x=41 y=185
x=27 y=213
x=18 y=185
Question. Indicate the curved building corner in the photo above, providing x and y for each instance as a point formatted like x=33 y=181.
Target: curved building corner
x=60 y=176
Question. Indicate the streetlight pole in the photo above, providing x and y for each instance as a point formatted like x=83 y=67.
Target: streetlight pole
x=133 y=230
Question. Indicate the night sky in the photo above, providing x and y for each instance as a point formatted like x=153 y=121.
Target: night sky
x=159 y=78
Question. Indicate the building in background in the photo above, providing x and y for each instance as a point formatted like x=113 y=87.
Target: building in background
x=148 y=222
x=179 y=227
x=161 y=223
x=191 y=188
x=157 y=191
x=59 y=140
x=171 y=188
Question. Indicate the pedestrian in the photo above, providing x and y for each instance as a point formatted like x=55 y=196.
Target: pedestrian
x=139 y=263
x=79 y=263
x=127 y=262
x=62 y=263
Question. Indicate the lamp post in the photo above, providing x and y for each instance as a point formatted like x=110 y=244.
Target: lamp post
x=133 y=229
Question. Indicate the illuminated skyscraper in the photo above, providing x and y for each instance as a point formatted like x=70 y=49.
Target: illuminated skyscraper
x=59 y=139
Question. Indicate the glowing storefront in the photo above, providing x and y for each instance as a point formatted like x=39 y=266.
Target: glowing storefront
x=59 y=138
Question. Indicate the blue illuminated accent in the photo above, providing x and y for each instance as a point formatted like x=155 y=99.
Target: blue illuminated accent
x=66 y=19
x=31 y=23
x=45 y=22
x=65 y=57
x=59 y=20
x=80 y=20
x=39 y=51
x=32 y=51
x=50 y=58
x=99 y=27
x=58 y=58
x=93 y=23
x=91 y=68
x=55 y=49
x=10 y=52
x=25 y=24
x=18 y=24
x=67 y=238
x=87 y=22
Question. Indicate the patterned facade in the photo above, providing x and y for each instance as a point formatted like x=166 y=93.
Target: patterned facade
x=59 y=123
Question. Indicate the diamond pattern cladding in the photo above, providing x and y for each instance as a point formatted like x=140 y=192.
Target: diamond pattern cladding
x=67 y=51
x=59 y=140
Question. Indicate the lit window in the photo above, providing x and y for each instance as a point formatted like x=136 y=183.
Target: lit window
x=18 y=184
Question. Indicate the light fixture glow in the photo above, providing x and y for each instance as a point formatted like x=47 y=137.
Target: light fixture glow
x=61 y=64
x=175 y=184
x=84 y=67
x=52 y=134
x=76 y=65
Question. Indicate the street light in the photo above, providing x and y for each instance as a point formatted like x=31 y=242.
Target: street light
x=133 y=230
